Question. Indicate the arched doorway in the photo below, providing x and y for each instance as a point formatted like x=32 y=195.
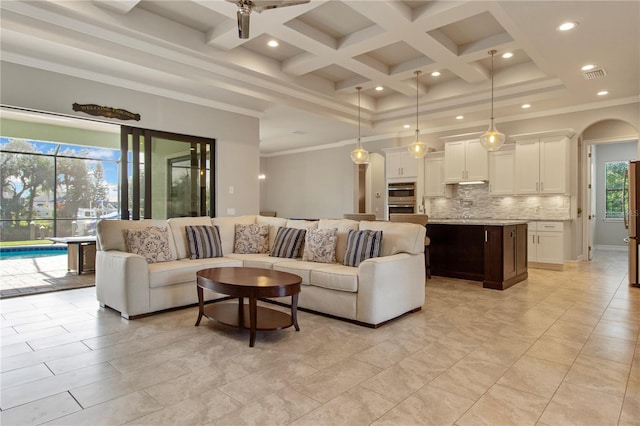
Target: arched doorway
x=602 y=143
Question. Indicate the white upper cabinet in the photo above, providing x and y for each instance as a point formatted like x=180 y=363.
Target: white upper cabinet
x=400 y=164
x=502 y=171
x=434 y=185
x=465 y=161
x=542 y=165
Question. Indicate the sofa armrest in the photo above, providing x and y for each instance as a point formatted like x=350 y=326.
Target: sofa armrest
x=122 y=282
x=390 y=286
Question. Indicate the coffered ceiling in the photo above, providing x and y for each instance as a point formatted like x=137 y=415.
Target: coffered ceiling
x=304 y=90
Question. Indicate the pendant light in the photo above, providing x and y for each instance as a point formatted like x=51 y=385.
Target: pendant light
x=417 y=149
x=492 y=140
x=359 y=155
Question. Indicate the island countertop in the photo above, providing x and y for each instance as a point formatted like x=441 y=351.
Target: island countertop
x=489 y=222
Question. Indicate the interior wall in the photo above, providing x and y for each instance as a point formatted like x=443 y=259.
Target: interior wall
x=237 y=136
x=314 y=184
x=609 y=232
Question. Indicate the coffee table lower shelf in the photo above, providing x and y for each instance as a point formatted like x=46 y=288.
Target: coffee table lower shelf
x=230 y=314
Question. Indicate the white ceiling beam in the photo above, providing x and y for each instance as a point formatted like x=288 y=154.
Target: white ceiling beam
x=119 y=6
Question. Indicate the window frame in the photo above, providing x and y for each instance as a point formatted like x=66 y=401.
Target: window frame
x=607 y=213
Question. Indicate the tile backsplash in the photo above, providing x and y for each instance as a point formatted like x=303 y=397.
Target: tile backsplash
x=474 y=201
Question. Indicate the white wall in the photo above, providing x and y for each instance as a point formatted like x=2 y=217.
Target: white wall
x=315 y=184
x=237 y=136
x=609 y=233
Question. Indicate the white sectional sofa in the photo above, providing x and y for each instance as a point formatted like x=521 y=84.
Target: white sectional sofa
x=378 y=290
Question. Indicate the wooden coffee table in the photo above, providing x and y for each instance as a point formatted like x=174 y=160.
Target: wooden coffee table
x=253 y=283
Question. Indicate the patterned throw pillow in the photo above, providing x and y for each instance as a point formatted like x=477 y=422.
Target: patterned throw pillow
x=288 y=242
x=152 y=243
x=204 y=241
x=251 y=239
x=320 y=245
x=362 y=245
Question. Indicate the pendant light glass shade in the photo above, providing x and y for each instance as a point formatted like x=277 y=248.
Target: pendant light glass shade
x=417 y=149
x=492 y=140
x=359 y=155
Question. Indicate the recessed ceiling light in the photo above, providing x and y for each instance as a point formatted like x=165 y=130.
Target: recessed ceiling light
x=379 y=88
x=603 y=93
x=507 y=55
x=566 y=26
x=525 y=106
x=459 y=117
x=435 y=74
x=407 y=126
x=273 y=43
x=588 y=67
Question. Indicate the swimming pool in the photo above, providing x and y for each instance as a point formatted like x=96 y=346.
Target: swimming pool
x=31 y=251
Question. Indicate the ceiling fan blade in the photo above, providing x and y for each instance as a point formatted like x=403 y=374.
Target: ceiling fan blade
x=245 y=7
x=260 y=5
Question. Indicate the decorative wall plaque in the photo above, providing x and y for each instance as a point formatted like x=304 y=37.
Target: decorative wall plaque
x=105 y=111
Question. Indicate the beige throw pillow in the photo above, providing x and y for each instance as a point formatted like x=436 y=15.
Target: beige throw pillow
x=320 y=245
x=251 y=239
x=152 y=243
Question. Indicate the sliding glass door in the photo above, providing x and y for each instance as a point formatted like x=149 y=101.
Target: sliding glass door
x=166 y=175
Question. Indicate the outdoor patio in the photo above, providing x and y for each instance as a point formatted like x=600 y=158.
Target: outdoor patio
x=19 y=277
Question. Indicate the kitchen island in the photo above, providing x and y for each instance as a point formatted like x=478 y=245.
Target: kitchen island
x=487 y=250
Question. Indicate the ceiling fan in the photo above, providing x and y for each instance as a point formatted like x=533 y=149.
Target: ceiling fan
x=245 y=7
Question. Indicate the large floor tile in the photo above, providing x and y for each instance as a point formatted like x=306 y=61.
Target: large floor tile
x=358 y=406
x=599 y=375
x=537 y=376
x=555 y=349
x=428 y=406
x=579 y=406
x=40 y=411
x=631 y=406
x=502 y=405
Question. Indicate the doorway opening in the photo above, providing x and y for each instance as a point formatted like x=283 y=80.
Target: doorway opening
x=602 y=143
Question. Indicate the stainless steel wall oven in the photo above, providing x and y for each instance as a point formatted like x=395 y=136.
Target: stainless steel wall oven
x=401 y=197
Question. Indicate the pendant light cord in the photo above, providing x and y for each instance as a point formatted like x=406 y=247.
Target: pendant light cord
x=359 y=143
x=417 y=83
x=493 y=52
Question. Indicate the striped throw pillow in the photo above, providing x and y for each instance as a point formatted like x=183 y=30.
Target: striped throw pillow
x=362 y=245
x=288 y=242
x=204 y=241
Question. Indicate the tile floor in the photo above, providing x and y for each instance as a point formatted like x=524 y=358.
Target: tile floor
x=39 y=275
x=559 y=349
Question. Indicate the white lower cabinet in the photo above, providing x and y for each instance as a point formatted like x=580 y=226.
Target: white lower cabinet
x=545 y=247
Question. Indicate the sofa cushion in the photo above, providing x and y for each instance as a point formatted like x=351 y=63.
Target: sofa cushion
x=320 y=245
x=343 y=226
x=204 y=241
x=288 y=242
x=178 y=230
x=251 y=238
x=335 y=277
x=298 y=267
x=227 y=227
x=151 y=242
x=399 y=237
x=184 y=270
x=274 y=223
x=258 y=260
x=362 y=245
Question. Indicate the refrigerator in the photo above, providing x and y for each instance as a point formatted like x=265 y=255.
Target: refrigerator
x=632 y=218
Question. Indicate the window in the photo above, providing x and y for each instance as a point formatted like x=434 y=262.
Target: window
x=614 y=186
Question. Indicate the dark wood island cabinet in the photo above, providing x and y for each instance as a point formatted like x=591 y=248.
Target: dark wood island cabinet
x=491 y=251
